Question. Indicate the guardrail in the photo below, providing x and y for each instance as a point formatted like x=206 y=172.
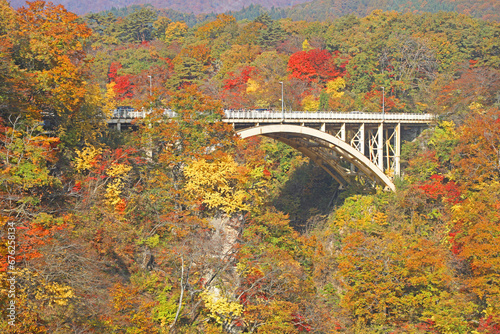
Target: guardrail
x=130 y=113
x=302 y=115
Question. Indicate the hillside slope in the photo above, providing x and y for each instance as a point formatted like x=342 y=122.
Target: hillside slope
x=317 y=10
x=191 y=6
x=320 y=10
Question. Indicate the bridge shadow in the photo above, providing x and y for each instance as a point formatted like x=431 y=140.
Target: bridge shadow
x=309 y=192
x=114 y=138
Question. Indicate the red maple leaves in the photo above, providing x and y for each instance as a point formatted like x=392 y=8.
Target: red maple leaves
x=124 y=88
x=315 y=65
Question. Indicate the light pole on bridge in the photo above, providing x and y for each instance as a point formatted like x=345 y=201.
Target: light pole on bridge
x=150 y=86
x=282 y=102
x=383 y=103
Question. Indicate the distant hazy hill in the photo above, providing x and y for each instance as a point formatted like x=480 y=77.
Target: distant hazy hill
x=188 y=6
x=296 y=9
x=320 y=10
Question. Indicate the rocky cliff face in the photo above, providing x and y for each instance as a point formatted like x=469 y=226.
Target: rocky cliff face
x=227 y=232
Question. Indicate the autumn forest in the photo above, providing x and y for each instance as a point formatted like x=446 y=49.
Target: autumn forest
x=177 y=225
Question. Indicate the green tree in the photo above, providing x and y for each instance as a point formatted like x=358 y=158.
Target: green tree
x=138 y=26
x=272 y=35
x=160 y=26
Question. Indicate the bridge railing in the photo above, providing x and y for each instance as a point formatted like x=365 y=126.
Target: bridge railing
x=129 y=113
x=303 y=115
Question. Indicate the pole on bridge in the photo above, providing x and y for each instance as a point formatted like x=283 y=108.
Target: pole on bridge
x=150 y=86
x=383 y=103
x=397 y=153
x=380 y=146
x=282 y=103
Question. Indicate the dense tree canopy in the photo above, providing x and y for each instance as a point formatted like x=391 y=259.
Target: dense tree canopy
x=179 y=226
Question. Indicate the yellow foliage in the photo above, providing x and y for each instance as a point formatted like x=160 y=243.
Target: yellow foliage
x=57 y=293
x=117 y=170
x=306 y=46
x=85 y=157
x=44 y=292
x=114 y=189
x=252 y=86
x=445 y=131
x=93 y=96
x=109 y=99
x=242 y=269
x=477 y=108
x=219 y=184
x=359 y=213
x=310 y=103
x=262 y=103
x=221 y=309
x=215 y=28
x=113 y=192
x=275 y=316
x=8 y=17
x=175 y=32
x=333 y=87
x=449 y=126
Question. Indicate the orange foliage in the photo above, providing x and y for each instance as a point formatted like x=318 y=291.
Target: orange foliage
x=213 y=29
x=478 y=156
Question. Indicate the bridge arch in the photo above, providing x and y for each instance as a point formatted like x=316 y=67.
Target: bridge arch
x=326 y=150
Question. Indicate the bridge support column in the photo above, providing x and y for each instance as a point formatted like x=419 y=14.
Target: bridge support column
x=362 y=138
x=376 y=145
x=380 y=146
x=323 y=127
x=118 y=126
x=397 y=153
x=341 y=133
x=358 y=141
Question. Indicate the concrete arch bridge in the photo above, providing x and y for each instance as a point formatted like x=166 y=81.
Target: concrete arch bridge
x=344 y=144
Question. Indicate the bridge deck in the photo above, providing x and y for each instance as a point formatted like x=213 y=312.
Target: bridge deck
x=268 y=116
x=324 y=117
x=342 y=143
